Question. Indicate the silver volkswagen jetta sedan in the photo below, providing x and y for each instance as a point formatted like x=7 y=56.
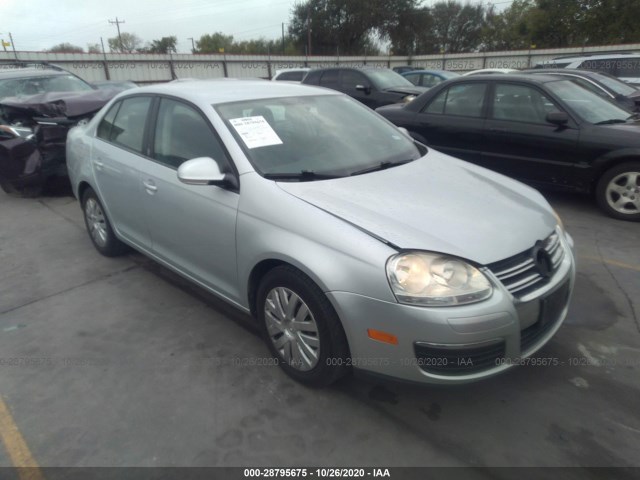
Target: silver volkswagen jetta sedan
x=352 y=245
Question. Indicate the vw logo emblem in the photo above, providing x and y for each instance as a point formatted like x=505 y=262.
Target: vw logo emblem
x=542 y=261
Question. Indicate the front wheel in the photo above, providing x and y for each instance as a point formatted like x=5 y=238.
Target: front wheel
x=618 y=191
x=301 y=328
x=99 y=228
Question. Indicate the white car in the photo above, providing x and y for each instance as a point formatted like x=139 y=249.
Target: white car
x=625 y=66
x=290 y=74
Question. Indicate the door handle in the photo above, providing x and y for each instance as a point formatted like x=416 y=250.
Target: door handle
x=99 y=164
x=150 y=186
x=499 y=130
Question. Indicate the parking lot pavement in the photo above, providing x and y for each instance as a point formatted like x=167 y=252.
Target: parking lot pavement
x=121 y=363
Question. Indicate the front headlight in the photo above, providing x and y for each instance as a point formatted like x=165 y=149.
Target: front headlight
x=408 y=98
x=431 y=279
x=558 y=219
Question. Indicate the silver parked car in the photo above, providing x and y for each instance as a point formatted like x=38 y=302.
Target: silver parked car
x=352 y=245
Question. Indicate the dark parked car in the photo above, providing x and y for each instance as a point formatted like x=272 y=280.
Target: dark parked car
x=374 y=87
x=429 y=78
x=541 y=129
x=38 y=105
x=600 y=83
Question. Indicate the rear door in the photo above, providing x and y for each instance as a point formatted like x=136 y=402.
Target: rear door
x=519 y=142
x=117 y=159
x=453 y=120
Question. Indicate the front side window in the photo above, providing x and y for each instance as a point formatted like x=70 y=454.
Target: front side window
x=329 y=79
x=521 y=103
x=413 y=78
x=182 y=134
x=464 y=100
x=127 y=128
x=351 y=79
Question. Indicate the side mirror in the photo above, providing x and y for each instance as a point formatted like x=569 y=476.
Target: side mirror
x=204 y=171
x=364 y=88
x=558 y=118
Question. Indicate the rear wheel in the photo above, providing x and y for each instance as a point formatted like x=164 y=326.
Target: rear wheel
x=618 y=191
x=301 y=328
x=98 y=226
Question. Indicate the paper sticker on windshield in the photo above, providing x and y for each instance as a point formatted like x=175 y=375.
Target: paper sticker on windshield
x=255 y=131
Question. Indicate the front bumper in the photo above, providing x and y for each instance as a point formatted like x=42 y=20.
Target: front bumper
x=451 y=345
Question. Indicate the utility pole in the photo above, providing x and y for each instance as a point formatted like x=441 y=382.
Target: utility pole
x=117 y=24
x=13 y=46
x=309 y=29
x=193 y=45
x=282 y=38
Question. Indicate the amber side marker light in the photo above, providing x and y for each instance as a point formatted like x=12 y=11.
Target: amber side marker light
x=383 y=337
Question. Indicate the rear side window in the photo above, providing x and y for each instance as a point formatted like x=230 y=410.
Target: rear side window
x=292 y=76
x=465 y=100
x=128 y=126
x=104 y=129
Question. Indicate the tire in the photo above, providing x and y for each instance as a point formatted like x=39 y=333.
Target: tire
x=309 y=344
x=618 y=192
x=99 y=228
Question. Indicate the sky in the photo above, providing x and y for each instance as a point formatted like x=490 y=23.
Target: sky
x=37 y=25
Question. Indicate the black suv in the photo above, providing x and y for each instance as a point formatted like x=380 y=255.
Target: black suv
x=374 y=87
x=38 y=104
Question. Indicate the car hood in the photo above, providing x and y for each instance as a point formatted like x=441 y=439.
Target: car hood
x=406 y=90
x=437 y=203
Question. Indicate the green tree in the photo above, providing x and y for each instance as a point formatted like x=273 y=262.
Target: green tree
x=66 y=48
x=94 y=48
x=347 y=27
x=126 y=43
x=164 y=45
x=457 y=28
x=611 y=21
x=214 y=43
x=510 y=29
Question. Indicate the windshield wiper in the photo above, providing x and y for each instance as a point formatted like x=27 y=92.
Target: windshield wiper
x=611 y=121
x=380 y=166
x=303 y=176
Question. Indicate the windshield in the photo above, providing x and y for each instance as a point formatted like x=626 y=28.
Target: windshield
x=616 y=85
x=587 y=105
x=16 y=87
x=388 y=79
x=314 y=136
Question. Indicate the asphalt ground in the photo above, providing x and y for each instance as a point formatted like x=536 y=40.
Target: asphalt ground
x=119 y=362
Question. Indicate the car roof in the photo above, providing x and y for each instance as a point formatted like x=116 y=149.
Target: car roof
x=28 y=72
x=565 y=71
x=225 y=90
x=435 y=72
x=601 y=56
x=541 y=78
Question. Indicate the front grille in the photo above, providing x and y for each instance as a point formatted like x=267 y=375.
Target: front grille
x=521 y=274
x=458 y=361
